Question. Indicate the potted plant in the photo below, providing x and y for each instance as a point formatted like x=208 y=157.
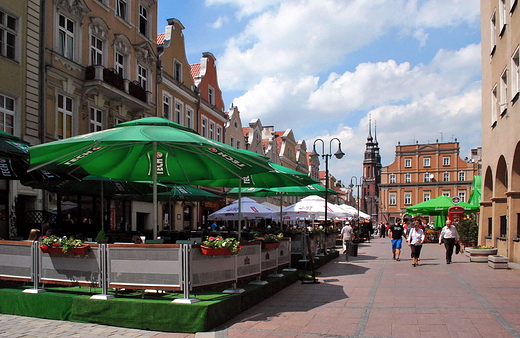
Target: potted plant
x=219 y=246
x=316 y=232
x=55 y=244
x=468 y=232
x=270 y=241
x=480 y=253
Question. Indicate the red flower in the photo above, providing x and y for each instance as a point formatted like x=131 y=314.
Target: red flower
x=45 y=247
x=55 y=244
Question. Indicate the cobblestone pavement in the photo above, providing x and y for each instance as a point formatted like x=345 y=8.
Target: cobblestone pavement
x=372 y=295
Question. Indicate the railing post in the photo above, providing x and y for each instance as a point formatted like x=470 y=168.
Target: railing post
x=186 y=276
x=103 y=273
x=35 y=268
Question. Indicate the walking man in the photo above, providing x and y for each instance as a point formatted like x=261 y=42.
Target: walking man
x=450 y=236
x=396 y=233
x=346 y=237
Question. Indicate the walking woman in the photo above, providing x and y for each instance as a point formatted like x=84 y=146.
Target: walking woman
x=415 y=241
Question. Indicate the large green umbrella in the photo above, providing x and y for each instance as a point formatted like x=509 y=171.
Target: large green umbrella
x=147 y=149
x=295 y=190
x=438 y=206
x=182 y=192
x=476 y=193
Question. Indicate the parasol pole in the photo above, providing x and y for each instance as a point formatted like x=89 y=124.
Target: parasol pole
x=239 y=208
x=102 y=207
x=154 y=190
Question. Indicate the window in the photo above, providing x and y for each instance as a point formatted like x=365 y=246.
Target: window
x=407 y=178
x=219 y=134
x=232 y=141
x=167 y=106
x=177 y=71
x=211 y=95
x=392 y=178
x=503 y=226
x=517 y=226
x=503 y=92
x=179 y=112
x=407 y=162
x=392 y=200
x=446 y=193
x=426 y=161
x=66 y=37
x=204 y=128
x=96 y=51
x=426 y=196
x=493 y=32
x=502 y=16
x=427 y=177
x=120 y=64
x=407 y=198
x=142 y=76
x=7 y=36
x=7 y=113
x=143 y=20
x=121 y=9
x=238 y=144
x=462 y=196
x=64 y=116
x=189 y=117
x=446 y=177
x=490 y=226
x=515 y=75
x=95 y=120
x=462 y=176
x=446 y=161
x=494 y=105
x=117 y=121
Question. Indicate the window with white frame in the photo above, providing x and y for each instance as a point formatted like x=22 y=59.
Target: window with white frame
x=407 y=162
x=446 y=193
x=462 y=176
x=179 y=112
x=446 y=176
x=142 y=76
x=189 y=117
x=503 y=92
x=8 y=33
x=219 y=134
x=515 y=75
x=427 y=177
x=121 y=9
x=392 y=199
x=64 y=118
x=96 y=123
x=392 y=178
x=119 y=64
x=7 y=113
x=167 y=106
x=426 y=161
x=211 y=95
x=446 y=161
x=408 y=178
x=494 y=105
x=143 y=20
x=462 y=196
x=502 y=16
x=96 y=50
x=212 y=130
x=118 y=120
x=66 y=36
x=407 y=198
x=204 y=127
x=493 y=32
x=177 y=71
x=426 y=196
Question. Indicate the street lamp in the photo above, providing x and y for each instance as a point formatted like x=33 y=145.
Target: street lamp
x=361 y=180
x=314 y=155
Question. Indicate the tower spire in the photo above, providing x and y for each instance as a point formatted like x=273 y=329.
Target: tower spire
x=369 y=138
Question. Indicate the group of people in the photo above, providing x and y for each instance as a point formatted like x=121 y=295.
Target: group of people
x=414 y=235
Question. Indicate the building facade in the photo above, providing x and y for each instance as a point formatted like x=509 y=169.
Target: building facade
x=371 y=178
x=500 y=205
x=421 y=172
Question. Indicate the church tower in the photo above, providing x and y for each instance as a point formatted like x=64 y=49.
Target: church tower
x=371 y=175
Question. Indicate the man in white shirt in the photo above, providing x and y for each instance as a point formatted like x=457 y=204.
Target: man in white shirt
x=346 y=237
x=450 y=236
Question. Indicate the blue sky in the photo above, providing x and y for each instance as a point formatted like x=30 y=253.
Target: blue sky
x=322 y=67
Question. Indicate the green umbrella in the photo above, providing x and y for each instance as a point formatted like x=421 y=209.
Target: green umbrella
x=438 y=206
x=182 y=193
x=149 y=149
x=476 y=193
x=295 y=190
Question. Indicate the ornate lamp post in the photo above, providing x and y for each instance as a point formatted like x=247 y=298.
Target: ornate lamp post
x=351 y=185
x=314 y=155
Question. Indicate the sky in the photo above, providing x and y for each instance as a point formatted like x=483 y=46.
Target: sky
x=325 y=68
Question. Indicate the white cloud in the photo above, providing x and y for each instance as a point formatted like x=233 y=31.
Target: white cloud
x=219 y=22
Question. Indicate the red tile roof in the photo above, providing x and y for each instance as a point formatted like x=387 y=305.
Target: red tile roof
x=160 y=38
x=246 y=130
x=195 y=70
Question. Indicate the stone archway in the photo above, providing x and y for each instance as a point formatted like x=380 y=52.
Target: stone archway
x=501 y=227
x=486 y=210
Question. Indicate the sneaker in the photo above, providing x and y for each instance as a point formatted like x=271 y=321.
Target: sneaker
x=394 y=257
x=398 y=259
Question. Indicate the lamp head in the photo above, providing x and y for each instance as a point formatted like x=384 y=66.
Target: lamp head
x=339 y=154
x=314 y=155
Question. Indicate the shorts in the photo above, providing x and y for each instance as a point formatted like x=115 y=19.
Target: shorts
x=397 y=243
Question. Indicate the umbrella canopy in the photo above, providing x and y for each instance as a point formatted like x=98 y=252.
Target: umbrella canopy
x=295 y=190
x=476 y=193
x=249 y=209
x=438 y=206
x=182 y=192
x=312 y=207
x=147 y=149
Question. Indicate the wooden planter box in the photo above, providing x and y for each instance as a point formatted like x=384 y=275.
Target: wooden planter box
x=208 y=251
x=80 y=250
x=481 y=255
x=498 y=262
x=270 y=245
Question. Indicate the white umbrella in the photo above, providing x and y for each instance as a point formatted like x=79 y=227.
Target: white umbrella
x=354 y=211
x=249 y=209
x=312 y=207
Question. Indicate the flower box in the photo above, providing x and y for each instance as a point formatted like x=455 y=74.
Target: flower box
x=481 y=255
x=80 y=250
x=209 y=251
x=270 y=245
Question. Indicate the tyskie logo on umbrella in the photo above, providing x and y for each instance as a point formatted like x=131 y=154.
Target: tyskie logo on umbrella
x=5 y=168
x=81 y=156
x=162 y=168
x=227 y=157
